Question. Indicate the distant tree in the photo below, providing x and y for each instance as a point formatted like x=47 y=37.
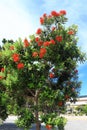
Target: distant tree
x=40 y=75
x=5 y=40
x=84 y=109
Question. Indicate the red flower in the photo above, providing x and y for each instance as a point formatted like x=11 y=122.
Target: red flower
x=59 y=38
x=44 y=15
x=71 y=32
x=39 y=31
x=62 y=12
x=15 y=57
x=2 y=69
x=47 y=43
x=51 y=75
x=48 y=127
x=26 y=43
x=40 y=43
x=54 y=13
x=20 y=65
x=52 y=41
x=41 y=55
x=11 y=47
x=60 y=103
x=37 y=39
x=35 y=54
x=41 y=20
x=42 y=52
x=1 y=77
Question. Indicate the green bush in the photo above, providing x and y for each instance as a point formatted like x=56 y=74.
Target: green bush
x=84 y=109
x=3 y=107
x=60 y=122
x=48 y=118
x=12 y=109
x=25 y=119
x=54 y=120
x=3 y=112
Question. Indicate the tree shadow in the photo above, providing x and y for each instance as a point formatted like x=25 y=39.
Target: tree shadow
x=9 y=126
x=12 y=126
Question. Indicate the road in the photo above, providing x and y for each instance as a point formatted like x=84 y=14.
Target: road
x=74 y=123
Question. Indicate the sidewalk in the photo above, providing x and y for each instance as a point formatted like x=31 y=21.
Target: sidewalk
x=74 y=123
x=69 y=117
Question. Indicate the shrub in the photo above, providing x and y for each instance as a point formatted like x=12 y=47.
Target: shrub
x=25 y=119
x=60 y=122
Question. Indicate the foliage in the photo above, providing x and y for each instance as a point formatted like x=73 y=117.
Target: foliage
x=53 y=120
x=42 y=69
x=48 y=118
x=84 y=109
x=3 y=107
x=26 y=119
x=60 y=122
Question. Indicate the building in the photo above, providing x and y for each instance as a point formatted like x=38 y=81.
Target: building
x=81 y=100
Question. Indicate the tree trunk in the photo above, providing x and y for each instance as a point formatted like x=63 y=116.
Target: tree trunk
x=38 y=125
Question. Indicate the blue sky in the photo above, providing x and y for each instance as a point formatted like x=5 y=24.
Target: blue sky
x=20 y=18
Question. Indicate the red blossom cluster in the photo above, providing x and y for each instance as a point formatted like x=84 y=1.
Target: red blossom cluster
x=39 y=41
x=59 y=38
x=35 y=54
x=48 y=127
x=20 y=65
x=71 y=32
x=16 y=58
x=47 y=43
x=42 y=52
x=51 y=75
x=2 y=69
x=26 y=43
x=39 y=31
x=53 y=14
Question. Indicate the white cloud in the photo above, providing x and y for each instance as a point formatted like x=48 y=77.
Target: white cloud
x=14 y=21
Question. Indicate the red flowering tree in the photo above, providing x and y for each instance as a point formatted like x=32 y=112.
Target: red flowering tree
x=41 y=74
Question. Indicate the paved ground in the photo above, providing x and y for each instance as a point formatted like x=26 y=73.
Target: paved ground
x=74 y=123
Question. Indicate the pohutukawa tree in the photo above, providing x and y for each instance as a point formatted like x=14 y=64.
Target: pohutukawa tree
x=39 y=75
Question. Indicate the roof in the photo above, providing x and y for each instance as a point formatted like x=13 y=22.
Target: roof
x=82 y=96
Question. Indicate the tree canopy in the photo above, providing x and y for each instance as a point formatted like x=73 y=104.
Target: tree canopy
x=40 y=73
